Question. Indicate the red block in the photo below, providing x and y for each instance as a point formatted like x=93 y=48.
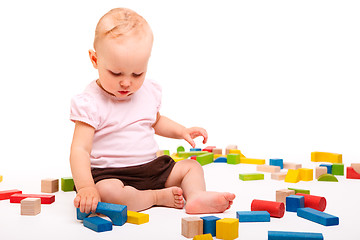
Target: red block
x=45 y=199
x=6 y=194
x=209 y=148
x=193 y=157
x=351 y=173
x=315 y=202
x=276 y=209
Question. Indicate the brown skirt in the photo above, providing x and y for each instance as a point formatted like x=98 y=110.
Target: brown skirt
x=152 y=175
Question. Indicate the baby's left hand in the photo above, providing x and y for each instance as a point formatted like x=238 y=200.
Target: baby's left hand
x=190 y=133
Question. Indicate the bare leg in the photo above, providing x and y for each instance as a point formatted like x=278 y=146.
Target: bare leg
x=114 y=191
x=189 y=175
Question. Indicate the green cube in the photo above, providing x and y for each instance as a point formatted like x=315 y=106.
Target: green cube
x=338 y=169
x=251 y=176
x=233 y=158
x=303 y=191
x=205 y=158
x=67 y=184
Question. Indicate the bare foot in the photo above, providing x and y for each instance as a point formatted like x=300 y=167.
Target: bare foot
x=170 y=197
x=209 y=202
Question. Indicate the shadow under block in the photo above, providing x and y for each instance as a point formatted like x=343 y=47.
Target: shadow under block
x=227 y=228
x=328 y=178
x=233 y=158
x=288 y=165
x=45 y=198
x=49 y=185
x=191 y=226
x=253 y=216
x=209 y=225
x=30 y=206
x=67 y=184
x=293 y=202
x=251 y=176
x=282 y=194
x=137 y=218
x=293 y=176
x=277 y=162
x=306 y=174
x=337 y=169
x=320 y=171
x=356 y=167
x=278 y=176
x=203 y=237
x=351 y=173
x=268 y=168
x=206 y=158
x=97 y=224
x=318 y=217
x=6 y=194
x=315 y=202
x=252 y=161
x=326 y=157
x=276 y=209
x=279 y=235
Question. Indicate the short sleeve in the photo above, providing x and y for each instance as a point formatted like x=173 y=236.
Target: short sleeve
x=157 y=92
x=84 y=109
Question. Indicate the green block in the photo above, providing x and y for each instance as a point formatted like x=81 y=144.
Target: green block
x=338 y=169
x=233 y=158
x=251 y=176
x=303 y=191
x=189 y=154
x=205 y=158
x=167 y=152
x=328 y=178
x=67 y=184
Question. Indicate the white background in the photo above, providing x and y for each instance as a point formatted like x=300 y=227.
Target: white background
x=277 y=78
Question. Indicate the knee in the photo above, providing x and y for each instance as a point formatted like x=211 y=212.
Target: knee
x=107 y=193
x=192 y=165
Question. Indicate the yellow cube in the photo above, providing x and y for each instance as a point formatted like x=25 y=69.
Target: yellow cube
x=306 y=174
x=227 y=228
x=1 y=178
x=137 y=218
x=292 y=176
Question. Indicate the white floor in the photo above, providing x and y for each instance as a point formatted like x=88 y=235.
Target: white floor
x=57 y=221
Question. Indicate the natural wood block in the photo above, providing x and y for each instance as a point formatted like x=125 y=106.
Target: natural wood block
x=229 y=147
x=356 y=167
x=282 y=194
x=217 y=151
x=278 y=176
x=49 y=185
x=288 y=165
x=191 y=226
x=267 y=168
x=30 y=206
x=320 y=171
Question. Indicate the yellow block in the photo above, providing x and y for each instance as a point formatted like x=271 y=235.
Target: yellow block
x=252 y=161
x=306 y=174
x=176 y=158
x=227 y=228
x=137 y=218
x=326 y=157
x=203 y=237
x=218 y=155
x=236 y=151
x=292 y=176
x=1 y=178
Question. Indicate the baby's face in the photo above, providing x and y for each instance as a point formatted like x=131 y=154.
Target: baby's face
x=122 y=64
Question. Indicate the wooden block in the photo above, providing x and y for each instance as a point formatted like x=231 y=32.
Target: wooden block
x=328 y=166
x=191 y=226
x=288 y=165
x=98 y=224
x=251 y=176
x=220 y=160
x=49 y=185
x=233 y=158
x=326 y=157
x=206 y=158
x=189 y=154
x=229 y=147
x=217 y=151
x=227 y=228
x=6 y=194
x=137 y=218
x=293 y=202
x=278 y=176
x=306 y=174
x=328 y=178
x=236 y=151
x=30 y=206
x=315 y=202
x=280 y=235
x=67 y=184
x=162 y=153
x=1 y=178
x=351 y=173
x=267 y=168
x=45 y=198
x=304 y=191
x=338 y=169
x=209 y=225
x=253 y=216
x=180 y=149
x=176 y=157
x=203 y=237
x=320 y=171
x=282 y=194
x=252 y=161
x=209 y=149
x=276 y=209
x=292 y=176
x=356 y=167
x=277 y=162
x=318 y=217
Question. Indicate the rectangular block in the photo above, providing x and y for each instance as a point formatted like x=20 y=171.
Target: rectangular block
x=253 y=216
x=97 y=224
x=137 y=218
x=338 y=169
x=252 y=161
x=189 y=154
x=217 y=151
x=233 y=158
x=203 y=237
x=278 y=176
x=282 y=194
x=293 y=202
x=318 y=217
x=191 y=226
x=6 y=194
x=251 y=176
x=326 y=157
x=351 y=173
x=320 y=171
x=45 y=199
x=206 y=158
x=267 y=168
x=209 y=225
x=279 y=235
x=328 y=166
x=288 y=165
x=304 y=191
x=277 y=162
x=236 y=151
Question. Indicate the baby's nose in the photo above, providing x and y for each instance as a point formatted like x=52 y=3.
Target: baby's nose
x=125 y=83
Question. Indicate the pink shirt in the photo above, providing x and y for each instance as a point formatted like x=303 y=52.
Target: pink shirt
x=123 y=127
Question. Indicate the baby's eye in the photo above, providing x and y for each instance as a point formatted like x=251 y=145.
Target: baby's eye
x=115 y=74
x=137 y=74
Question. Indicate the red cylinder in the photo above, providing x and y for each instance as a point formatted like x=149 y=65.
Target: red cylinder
x=315 y=202
x=276 y=209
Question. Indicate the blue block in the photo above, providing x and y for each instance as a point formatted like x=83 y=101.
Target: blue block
x=80 y=215
x=98 y=224
x=293 y=202
x=209 y=225
x=278 y=235
x=277 y=162
x=195 y=149
x=329 y=167
x=318 y=217
x=220 y=160
x=253 y=216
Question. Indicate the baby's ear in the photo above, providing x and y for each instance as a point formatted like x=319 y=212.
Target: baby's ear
x=93 y=58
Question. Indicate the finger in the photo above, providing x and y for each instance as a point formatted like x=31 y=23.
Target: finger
x=77 y=201
x=88 y=205
x=94 y=205
x=189 y=139
x=83 y=204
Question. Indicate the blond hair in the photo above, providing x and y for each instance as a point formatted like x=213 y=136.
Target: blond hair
x=119 y=22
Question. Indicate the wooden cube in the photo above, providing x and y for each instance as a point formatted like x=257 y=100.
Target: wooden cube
x=49 y=185
x=191 y=226
x=217 y=151
x=320 y=171
x=282 y=194
x=227 y=228
x=30 y=206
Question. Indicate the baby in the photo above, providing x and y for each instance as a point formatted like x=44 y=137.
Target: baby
x=113 y=151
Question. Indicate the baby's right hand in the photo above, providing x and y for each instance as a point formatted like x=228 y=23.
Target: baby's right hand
x=87 y=199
